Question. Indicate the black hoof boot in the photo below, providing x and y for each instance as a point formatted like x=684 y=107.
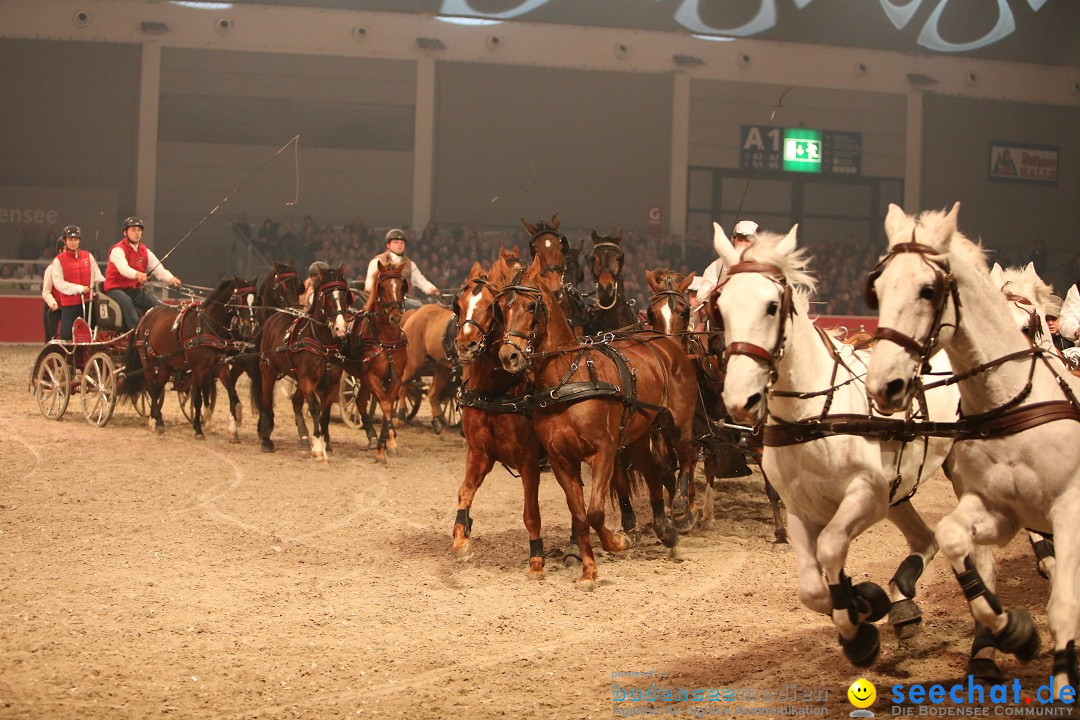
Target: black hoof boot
x=686 y=522
x=268 y=446
x=985 y=671
x=871 y=601
x=304 y=443
x=862 y=650
x=1020 y=636
x=905 y=618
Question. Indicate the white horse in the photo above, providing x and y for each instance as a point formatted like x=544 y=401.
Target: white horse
x=783 y=371
x=1017 y=454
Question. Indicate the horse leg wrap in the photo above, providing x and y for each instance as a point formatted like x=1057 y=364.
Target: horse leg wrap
x=464 y=520
x=536 y=547
x=629 y=517
x=681 y=503
x=1043 y=548
x=843 y=598
x=1065 y=662
x=983 y=668
x=973 y=586
x=909 y=571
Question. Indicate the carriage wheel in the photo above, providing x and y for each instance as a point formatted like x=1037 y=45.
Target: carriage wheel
x=141 y=403
x=183 y=396
x=414 y=397
x=52 y=385
x=349 y=388
x=451 y=406
x=98 y=389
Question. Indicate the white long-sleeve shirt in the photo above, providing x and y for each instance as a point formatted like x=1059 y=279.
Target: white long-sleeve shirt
x=69 y=288
x=416 y=278
x=709 y=278
x=1069 y=320
x=46 y=288
x=157 y=270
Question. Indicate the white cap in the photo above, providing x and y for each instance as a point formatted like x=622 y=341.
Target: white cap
x=1052 y=308
x=745 y=227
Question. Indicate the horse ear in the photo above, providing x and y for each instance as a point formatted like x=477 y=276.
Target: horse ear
x=595 y=237
x=686 y=282
x=995 y=275
x=787 y=245
x=1029 y=272
x=724 y=249
x=477 y=270
x=382 y=266
x=529 y=228
x=581 y=246
x=515 y=252
x=651 y=279
x=555 y=221
x=894 y=220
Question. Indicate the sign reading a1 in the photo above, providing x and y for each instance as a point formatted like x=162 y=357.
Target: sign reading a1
x=802 y=150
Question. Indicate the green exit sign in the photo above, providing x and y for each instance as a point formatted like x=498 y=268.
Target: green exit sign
x=802 y=150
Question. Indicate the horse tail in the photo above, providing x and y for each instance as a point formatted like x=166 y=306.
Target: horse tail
x=134 y=376
x=256 y=372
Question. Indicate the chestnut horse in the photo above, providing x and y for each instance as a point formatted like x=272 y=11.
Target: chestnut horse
x=596 y=400
x=493 y=417
x=427 y=329
x=169 y=339
x=669 y=313
x=280 y=289
x=613 y=311
x=375 y=354
x=305 y=348
x=551 y=246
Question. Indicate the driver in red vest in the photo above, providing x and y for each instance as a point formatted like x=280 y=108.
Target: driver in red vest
x=74 y=273
x=129 y=261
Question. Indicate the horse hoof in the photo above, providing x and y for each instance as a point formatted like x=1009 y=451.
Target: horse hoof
x=985 y=671
x=200 y=436
x=463 y=552
x=862 y=650
x=905 y=618
x=437 y=425
x=665 y=532
x=235 y=440
x=585 y=584
x=159 y=429
x=1020 y=636
x=571 y=559
x=373 y=444
x=685 y=523
x=781 y=536
x=303 y=443
x=536 y=568
x=621 y=543
x=871 y=601
x=268 y=446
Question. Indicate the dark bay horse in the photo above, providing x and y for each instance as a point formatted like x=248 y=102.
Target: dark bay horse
x=375 y=354
x=669 y=313
x=169 y=339
x=493 y=417
x=595 y=400
x=613 y=310
x=279 y=289
x=552 y=247
x=306 y=348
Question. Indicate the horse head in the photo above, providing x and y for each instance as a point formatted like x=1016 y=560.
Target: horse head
x=474 y=306
x=527 y=309
x=911 y=288
x=754 y=304
x=1027 y=295
x=331 y=302
x=607 y=266
x=548 y=244
x=388 y=299
x=281 y=288
x=574 y=274
x=669 y=307
x=243 y=308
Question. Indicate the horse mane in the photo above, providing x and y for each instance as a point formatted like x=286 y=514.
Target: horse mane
x=793 y=265
x=222 y=292
x=1042 y=290
x=936 y=229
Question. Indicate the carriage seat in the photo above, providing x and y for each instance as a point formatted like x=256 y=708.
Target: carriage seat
x=107 y=314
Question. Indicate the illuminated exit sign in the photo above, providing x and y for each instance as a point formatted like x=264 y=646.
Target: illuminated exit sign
x=802 y=150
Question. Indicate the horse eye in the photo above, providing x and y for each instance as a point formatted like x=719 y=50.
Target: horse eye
x=1025 y=330
x=926 y=292
x=772 y=308
x=531 y=307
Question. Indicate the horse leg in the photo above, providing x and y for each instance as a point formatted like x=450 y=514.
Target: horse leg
x=568 y=475
x=622 y=484
x=1043 y=547
x=478 y=463
x=854 y=608
x=710 y=469
x=530 y=485
x=384 y=427
x=904 y=615
x=318 y=442
x=812 y=591
x=362 y=397
x=681 y=509
x=157 y=399
x=603 y=467
x=958 y=533
x=326 y=400
x=298 y=399
x=268 y=379
x=197 y=391
x=1063 y=610
x=662 y=526
x=778 y=517
x=228 y=375
x=439 y=378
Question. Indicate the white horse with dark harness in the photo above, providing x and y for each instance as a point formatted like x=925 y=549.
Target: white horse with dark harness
x=839 y=467
x=1017 y=453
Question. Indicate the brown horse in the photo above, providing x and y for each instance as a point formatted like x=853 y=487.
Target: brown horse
x=307 y=349
x=551 y=246
x=428 y=329
x=280 y=289
x=496 y=426
x=669 y=313
x=170 y=339
x=612 y=311
x=596 y=399
x=375 y=353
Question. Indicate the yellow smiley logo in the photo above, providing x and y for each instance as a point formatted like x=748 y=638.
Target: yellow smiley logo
x=862 y=693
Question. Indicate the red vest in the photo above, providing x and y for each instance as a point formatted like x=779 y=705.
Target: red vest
x=137 y=259
x=76 y=271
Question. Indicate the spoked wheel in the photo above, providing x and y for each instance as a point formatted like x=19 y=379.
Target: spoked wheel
x=52 y=385
x=98 y=389
x=414 y=396
x=141 y=403
x=451 y=405
x=349 y=389
x=183 y=396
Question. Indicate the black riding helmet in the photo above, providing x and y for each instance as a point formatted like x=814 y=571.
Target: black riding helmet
x=72 y=231
x=133 y=222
